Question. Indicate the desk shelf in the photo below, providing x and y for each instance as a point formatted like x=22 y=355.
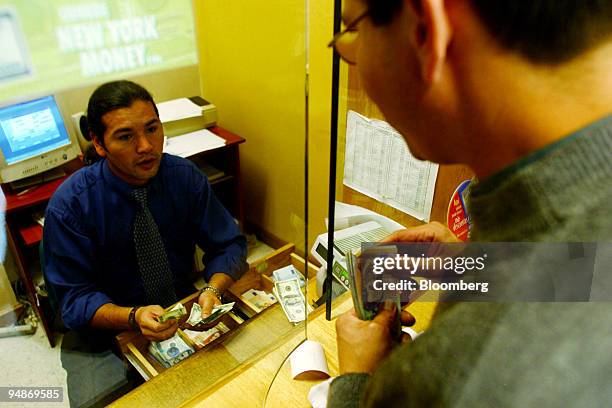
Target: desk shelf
x=31 y=234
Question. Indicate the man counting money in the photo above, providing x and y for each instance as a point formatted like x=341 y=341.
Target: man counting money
x=120 y=235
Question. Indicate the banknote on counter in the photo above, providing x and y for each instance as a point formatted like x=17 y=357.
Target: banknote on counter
x=288 y=272
x=292 y=300
x=259 y=298
x=171 y=351
x=175 y=313
x=195 y=317
x=203 y=338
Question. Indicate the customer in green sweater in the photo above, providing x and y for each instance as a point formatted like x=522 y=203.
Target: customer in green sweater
x=521 y=91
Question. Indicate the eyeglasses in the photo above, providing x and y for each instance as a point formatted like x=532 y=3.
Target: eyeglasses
x=344 y=42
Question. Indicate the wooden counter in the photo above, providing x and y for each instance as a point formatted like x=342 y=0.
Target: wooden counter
x=254 y=384
x=257 y=386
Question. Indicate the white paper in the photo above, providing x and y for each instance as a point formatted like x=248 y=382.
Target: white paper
x=348 y=215
x=412 y=333
x=377 y=163
x=309 y=356
x=192 y=143
x=177 y=109
x=317 y=396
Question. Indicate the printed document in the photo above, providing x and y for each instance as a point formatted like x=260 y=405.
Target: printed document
x=191 y=143
x=377 y=163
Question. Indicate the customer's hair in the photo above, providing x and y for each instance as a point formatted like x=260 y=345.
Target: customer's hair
x=544 y=31
x=109 y=97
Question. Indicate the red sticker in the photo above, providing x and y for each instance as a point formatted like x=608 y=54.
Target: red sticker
x=457 y=217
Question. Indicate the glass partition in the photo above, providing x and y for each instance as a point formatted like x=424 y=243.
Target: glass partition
x=236 y=69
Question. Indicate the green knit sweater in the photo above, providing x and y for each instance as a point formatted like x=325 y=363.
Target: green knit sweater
x=515 y=354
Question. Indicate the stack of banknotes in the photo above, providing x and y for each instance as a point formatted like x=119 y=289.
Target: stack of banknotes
x=175 y=313
x=171 y=351
x=258 y=298
x=175 y=349
x=203 y=338
x=288 y=272
x=195 y=317
x=289 y=295
x=366 y=309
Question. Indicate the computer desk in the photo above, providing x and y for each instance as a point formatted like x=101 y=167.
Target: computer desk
x=24 y=234
x=267 y=378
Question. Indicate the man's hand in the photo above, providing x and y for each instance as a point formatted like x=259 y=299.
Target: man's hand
x=146 y=318
x=363 y=344
x=207 y=301
x=432 y=232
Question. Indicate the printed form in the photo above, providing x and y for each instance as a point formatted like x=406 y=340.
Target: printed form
x=377 y=163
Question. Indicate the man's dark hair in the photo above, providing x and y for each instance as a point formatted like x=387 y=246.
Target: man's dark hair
x=109 y=97
x=382 y=12
x=544 y=31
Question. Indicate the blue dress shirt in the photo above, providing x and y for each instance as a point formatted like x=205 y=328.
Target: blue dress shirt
x=89 y=254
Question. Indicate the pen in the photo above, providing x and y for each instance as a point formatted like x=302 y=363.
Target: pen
x=27 y=190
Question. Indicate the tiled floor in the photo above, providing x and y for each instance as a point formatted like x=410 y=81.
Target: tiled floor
x=29 y=361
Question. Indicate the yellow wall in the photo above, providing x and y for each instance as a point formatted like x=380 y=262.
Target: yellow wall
x=252 y=65
x=252 y=57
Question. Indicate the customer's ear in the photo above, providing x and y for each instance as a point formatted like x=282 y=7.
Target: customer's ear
x=432 y=36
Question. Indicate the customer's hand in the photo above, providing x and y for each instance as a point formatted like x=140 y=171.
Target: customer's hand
x=146 y=318
x=432 y=232
x=363 y=344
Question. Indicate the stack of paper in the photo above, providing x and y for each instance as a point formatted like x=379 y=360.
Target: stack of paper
x=193 y=143
x=178 y=109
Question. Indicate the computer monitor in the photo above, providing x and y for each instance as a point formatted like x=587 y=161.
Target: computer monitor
x=33 y=140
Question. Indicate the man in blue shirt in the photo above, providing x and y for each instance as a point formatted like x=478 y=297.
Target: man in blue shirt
x=120 y=236
x=92 y=259
x=90 y=256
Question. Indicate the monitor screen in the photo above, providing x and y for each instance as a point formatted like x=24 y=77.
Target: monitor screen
x=31 y=128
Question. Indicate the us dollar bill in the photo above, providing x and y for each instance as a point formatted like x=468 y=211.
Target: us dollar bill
x=175 y=313
x=196 y=314
x=195 y=317
x=292 y=300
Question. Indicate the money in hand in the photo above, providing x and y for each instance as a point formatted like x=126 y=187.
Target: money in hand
x=175 y=313
x=292 y=300
x=196 y=314
x=195 y=317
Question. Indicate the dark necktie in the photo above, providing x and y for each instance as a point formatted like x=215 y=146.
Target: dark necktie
x=151 y=255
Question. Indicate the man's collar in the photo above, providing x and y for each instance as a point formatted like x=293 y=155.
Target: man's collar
x=125 y=188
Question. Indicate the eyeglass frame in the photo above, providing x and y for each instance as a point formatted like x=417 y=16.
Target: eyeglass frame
x=349 y=27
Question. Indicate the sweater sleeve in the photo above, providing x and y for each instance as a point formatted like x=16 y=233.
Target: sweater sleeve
x=346 y=391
